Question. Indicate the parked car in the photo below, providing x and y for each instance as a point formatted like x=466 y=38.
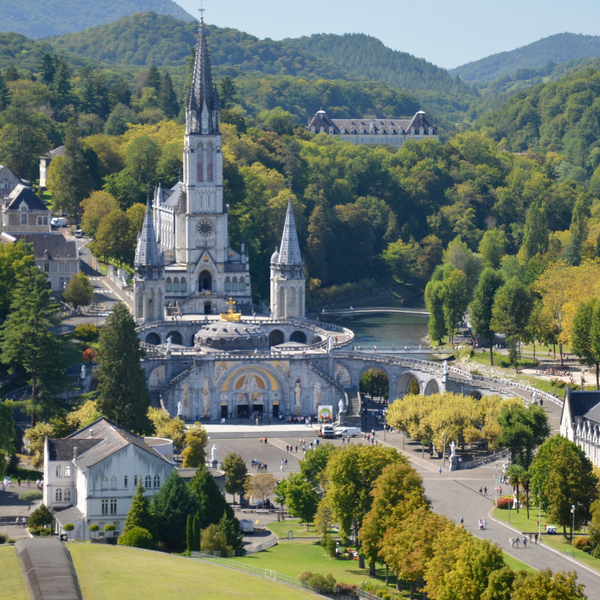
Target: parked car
x=78 y=233
x=58 y=222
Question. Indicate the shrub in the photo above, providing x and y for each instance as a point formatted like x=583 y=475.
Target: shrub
x=347 y=589
x=68 y=527
x=137 y=537
x=587 y=549
x=88 y=332
x=561 y=384
x=93 y=528
x=89 y=355
x=581 y=541
x=318 y=582
x=504 y=503
x=3 y=538
x=40 y=517
x=109 y=528
x=329 y=545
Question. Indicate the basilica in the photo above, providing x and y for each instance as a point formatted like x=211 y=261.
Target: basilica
x=208 y=353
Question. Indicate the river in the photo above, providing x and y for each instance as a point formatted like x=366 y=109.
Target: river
x=384 y=329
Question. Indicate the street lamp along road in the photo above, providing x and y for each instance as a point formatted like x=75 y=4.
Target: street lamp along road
x=444 y=453
x=573 y=530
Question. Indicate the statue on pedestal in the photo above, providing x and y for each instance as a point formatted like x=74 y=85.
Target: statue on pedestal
x=169 y=345
x=534 y=399
x=179 y=409
x=445 y=367
x=341 y=406
x=213 y=453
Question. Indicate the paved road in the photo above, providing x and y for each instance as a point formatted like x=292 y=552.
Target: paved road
x=453 y=495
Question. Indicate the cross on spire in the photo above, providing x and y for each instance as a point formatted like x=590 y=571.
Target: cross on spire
x=201 y=10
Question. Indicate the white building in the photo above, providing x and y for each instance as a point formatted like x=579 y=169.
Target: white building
x=580 y=422
x=91 y=476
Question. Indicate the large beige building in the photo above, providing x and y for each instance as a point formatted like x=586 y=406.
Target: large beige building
x=391 y=132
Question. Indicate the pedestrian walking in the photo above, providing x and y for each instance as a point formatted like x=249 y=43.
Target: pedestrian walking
x=440 y=470
x=485 y=491
x=19 y=481
x=516 y=542
x=27 y=482
x=481 y=490
x=462 y=520
x=535 y=535
x=485 y=523
x=265 y=441
x=511 y=541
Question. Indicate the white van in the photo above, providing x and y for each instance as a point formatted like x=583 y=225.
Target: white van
x=247 y=526
x=58 y=222
x=348 y=432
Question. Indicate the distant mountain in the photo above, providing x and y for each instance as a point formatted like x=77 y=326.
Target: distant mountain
x=146 y=38
x=558 y=48
x=368 y=57
x=37 y=18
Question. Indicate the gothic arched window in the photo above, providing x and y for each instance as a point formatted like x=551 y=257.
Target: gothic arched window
x=148 y=482
x=176 y=284
x=200 y=163
x=169 y=285
x=183 y=285
x=209 y=162
x=227 y=284
x=157 y=481
x=242 y=285
x=234 y=285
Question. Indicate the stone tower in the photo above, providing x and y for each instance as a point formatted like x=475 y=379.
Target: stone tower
x=202 y=271
x=149 y=278
x=287 y=273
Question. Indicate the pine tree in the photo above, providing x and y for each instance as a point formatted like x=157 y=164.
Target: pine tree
x=123 y=396
x=167 y=97
x=197 y=532
x=171 y=506
x=47 y=69
x=63 y=91
x=435 y=305
x=120 y=93
x=11 y=73
x=189 y=533
x=535 y=235
x=227 y=92
x=212 y=503
x=26 y=341
x=230 y=528
x=139 y=514
x=4 y=93
x=153 y=80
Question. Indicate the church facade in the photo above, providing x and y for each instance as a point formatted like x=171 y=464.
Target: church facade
x=201 y=270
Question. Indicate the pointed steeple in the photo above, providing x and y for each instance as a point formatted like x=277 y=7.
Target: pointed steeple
x=289 y=253
x=147 y=253
x=202 y=107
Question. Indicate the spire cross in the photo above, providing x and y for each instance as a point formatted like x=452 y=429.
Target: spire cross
x=201 y=10
x=230 y=304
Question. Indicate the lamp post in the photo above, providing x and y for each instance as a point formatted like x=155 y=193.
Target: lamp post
x=539 y=520
x=444 y=453
x=509 y=512
x=573 y=530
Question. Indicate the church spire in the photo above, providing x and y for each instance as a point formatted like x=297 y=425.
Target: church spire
x=147 y=253
x=202 y=106
x=289 y=250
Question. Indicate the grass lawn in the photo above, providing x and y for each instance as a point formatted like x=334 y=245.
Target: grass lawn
x=12 y=580
x=280 y=529
x=108 y=572
x=293 y=558
x=24 y=474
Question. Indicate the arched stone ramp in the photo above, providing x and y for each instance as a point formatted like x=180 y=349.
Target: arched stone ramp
x=153 y=338
x=176 y=338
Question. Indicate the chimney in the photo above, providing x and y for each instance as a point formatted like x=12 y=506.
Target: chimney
x=74 y=452
x=92 y=432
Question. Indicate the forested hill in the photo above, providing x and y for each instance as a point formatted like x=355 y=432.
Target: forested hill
x=147 y=38
x=37 y=18
x=368 y=57
x=561 y=117
x=557 y=48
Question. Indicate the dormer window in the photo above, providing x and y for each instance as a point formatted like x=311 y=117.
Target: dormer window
x=352 y=131
x=392 y=132
x=362 y=130
x=421 y=131
x=331 y=131
x=431 y=131
x=313 y=130
x=412 y=131
x=343 y=130
x=322 y=129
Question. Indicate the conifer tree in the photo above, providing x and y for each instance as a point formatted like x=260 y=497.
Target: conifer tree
x=4 y=93
x=167 y=97
x=197 y=533
x=26 y=341
x=122 y=393
x=11 y=73
x=535 y=235
x=139 y=514
x=171 y=506
x=62 y=88
x=212 y=503
x=47 y=69
x=154 y=79
x=189 y=533
x=230 y=528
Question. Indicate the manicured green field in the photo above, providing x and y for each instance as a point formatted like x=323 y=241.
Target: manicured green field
x=12 y=580
x=108 y=572
x=293 y=558
x=517 y=565
x=282 y=528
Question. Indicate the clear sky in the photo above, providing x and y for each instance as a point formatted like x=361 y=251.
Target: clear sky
x=448 y=33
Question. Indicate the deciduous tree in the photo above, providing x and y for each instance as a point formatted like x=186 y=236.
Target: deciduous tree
x=79 y=291
x=235 y=474
x=196 y=439
x=482 y=304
